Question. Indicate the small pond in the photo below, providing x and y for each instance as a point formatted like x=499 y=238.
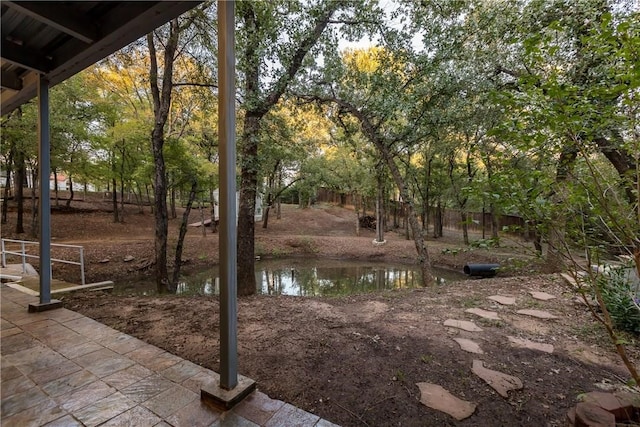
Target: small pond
x=305 y=277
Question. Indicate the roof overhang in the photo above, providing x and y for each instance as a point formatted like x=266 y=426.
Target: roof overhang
x=58 y=39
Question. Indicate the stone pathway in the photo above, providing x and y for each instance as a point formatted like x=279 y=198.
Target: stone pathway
x=542 y=296
x=465 y=325
x=436 y=397
x=60 y=368
x=469 y=346
x=504 y=300
x=485 y=314
x=531 y=345
x=499 y=381
x=540 y=314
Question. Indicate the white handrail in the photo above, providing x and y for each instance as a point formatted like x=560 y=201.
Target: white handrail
x=24 y=255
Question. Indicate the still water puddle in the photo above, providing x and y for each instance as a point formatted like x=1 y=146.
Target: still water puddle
x=307 y=277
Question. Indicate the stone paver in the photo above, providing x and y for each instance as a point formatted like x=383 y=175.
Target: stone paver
x=485 y=314
x=59 y=368
x=589 y=414
x=539 y=314
x=499 y=381
x=438 y=398
x=542 y=296
x=532 y=345
x=465 y=325
x=504 y=300
x=469 y=346
x=620 y=407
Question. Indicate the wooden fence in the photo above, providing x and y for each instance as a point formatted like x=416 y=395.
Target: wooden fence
x=450 y=217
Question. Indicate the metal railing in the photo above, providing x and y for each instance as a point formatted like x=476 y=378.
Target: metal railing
x=24 y=255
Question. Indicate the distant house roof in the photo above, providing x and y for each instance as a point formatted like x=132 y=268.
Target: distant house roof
x=61 y=38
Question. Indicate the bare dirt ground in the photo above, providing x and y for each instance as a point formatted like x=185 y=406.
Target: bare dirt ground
x=355 y=360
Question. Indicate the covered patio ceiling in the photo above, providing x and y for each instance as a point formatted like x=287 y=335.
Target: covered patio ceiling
x=57 y=39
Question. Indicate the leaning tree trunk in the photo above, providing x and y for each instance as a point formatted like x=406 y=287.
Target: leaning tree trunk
x=418 y=238
x=173 y=286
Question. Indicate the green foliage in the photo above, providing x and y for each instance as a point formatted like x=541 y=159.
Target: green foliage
x=621 y=297
x=485 y=243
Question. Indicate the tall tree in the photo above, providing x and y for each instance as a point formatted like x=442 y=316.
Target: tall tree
x=274 y=40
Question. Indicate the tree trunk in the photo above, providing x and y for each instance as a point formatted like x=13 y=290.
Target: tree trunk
x=259 y=106
x=139 y=199
x=495 y=226
x=173 y=286
x=160 y=211
x=204 y=229
x=624 y=164
x=379 y=211
x=68 y=204
x=465 y=226
x=557 y=224
x=55 y=185
x=437 y=221
x=34 y=205
x=7 y=182
x=161 y=106
x=356 y=208
x=265 y=217
x=418 y=238
x=146 y=189
x=405 y=211
x=19 y=194
x=246 y=213
x=121 y=198
x=174 y=214
x=114 y=201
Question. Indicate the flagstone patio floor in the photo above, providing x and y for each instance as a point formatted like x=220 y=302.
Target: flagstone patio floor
x=60 y=368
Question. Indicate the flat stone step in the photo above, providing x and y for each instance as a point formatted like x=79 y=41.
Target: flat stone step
x=486 y=314
x=504 y=300
x=532 y=345
x=438 y=398
x=540 y=314
x=591 y=415
x=542 y=296
x=499 y=381
x=465 y=325
x=469 y=346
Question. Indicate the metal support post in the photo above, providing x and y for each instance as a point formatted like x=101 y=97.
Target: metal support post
x=44 y=210
x=228 y=224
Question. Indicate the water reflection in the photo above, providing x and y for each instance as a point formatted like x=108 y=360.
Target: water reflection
x=308 y=277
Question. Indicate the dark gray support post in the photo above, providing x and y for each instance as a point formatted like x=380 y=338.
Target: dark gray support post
x=228 y=222
x=44 y=209
x=231 y=388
